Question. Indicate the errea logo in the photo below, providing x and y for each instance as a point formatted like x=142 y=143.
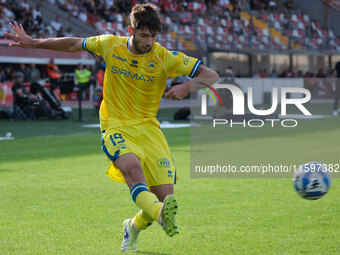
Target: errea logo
x=134 y=63
x=163 y=162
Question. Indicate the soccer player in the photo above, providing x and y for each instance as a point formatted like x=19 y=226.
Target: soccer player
x=336 y=76
x=136 y=72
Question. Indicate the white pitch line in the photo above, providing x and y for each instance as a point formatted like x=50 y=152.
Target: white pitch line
x=163 y=124
x=6 y=138
x=304 y=117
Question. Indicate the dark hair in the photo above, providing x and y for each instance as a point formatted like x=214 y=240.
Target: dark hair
x=146 y=16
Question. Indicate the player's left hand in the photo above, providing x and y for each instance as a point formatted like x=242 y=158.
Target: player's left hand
x=178 y=92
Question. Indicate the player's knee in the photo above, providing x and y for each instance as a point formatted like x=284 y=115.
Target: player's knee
x=134 y=172
x=134 y=175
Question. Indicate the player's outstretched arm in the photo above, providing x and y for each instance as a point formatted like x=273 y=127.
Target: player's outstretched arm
x=204 y=75
x=21 y=39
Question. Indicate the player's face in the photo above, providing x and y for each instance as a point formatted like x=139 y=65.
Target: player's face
x=143 y=40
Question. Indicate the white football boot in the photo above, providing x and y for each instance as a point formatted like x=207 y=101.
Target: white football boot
x=130 y=237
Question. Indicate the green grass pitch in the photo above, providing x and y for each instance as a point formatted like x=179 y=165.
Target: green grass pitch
x=56 y=199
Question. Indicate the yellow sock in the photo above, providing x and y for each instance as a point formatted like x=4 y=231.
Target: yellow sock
x=142 y=220
x=146 y=200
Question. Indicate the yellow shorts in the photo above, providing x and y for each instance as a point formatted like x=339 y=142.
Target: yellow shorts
x=148 y=143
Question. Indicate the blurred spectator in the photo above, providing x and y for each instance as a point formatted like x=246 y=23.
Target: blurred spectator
x=9 y=15
x=263 y=73
x=23 y=98
x=56 y=24
x=34 y=73
x=244 y=5
x=100 y=77
x=61 y=33
x=83 y=15
x=236 y=12
x=37 y=13
x=299 y=74
x=320 y=74
x=290 y=73
x=93 y=79
x=224 y=3
x=68 y=32
x=3 y=94
x=257 y=5
x=329 y=73
x=3 y=29
x=256 y=75
x=109 y=3
x=124 y=6
x=100 y=64
x=82 y=75
x=25 y=71
x=239 y=74
x=2 y=75
x=311 y=83
x=336 y=81
x=8 y=73
x=290 y=5
x=53 y=73
x=24 y=5
x=229 y=72
x=273 y=73
x=284 y=73
x=272 y=5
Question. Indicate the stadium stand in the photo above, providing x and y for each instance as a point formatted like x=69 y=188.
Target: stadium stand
x=334 y=3
x=193 y=26
x=188 y=25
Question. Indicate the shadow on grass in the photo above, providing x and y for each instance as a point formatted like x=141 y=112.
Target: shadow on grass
x=5 y=170
x=76 y=142
x=206 y=134
x=151 y=253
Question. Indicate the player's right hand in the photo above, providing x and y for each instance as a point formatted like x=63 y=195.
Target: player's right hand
x=19 y=36
x=178 y=92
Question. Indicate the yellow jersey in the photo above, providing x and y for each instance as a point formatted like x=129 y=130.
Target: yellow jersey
x=134 y=84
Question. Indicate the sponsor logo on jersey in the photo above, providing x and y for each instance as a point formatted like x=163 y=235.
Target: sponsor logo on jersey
x=129 y=75
x=163 y=162
x=119 y=58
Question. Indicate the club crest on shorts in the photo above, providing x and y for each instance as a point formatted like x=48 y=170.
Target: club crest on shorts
x=164 y=162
